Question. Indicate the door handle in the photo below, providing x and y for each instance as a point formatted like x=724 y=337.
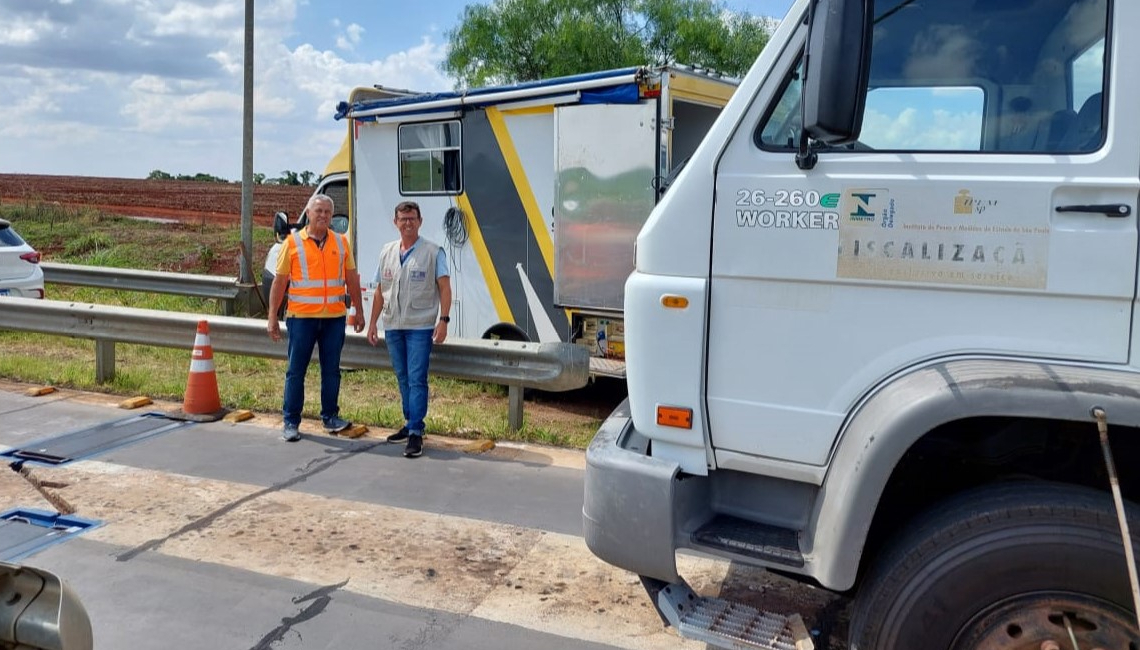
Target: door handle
x=1107 y=209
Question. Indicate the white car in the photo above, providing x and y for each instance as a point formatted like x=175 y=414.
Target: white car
x=20 y=272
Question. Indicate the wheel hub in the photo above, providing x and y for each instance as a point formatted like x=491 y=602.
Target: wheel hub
x=1050 y=621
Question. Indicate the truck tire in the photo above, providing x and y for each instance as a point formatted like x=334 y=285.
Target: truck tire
x=1005 y=566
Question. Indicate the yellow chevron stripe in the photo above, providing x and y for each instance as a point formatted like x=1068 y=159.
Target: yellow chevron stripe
x=522 y=186
x=479 y=245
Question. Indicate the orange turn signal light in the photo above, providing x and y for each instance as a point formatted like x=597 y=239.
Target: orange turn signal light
x=675 y=416
x=674 y=302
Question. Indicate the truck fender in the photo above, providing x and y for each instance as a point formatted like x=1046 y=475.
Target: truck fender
x=902 y=409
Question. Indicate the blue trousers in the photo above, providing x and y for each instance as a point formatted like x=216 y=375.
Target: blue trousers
x=410 y=351
x=327 y=334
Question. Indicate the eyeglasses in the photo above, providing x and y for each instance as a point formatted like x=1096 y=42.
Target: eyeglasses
x=406 y=219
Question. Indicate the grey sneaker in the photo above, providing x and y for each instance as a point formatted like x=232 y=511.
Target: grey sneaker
x=415 y=447
x=399 y=436
x=336 y=425
x=291 y=433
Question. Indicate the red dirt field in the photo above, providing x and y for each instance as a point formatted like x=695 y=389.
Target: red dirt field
x=181 y=200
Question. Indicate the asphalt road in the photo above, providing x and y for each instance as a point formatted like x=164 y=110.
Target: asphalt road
x=221 y=535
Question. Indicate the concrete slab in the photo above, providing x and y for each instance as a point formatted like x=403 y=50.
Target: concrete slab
x=30 y=418
x=444 y=481
x=158 y=602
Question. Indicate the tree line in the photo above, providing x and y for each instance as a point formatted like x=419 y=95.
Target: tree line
x=287 y=178
x=511 y=41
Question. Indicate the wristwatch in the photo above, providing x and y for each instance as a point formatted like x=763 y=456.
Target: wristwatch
x=445 y=319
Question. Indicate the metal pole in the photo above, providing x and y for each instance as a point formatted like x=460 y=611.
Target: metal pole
x=246 y=271
x=104 y=361
x=1101 y=418
x=514 y=407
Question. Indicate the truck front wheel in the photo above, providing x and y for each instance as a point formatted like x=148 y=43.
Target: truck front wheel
x=1006 y=567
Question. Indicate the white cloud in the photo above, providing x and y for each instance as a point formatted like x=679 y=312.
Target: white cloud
x=200 y=20
x=22 y=32
x=123 y=87
x=350 y=38
x=922 y=130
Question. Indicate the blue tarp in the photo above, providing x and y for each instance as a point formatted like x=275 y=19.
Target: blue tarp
x=624 y=94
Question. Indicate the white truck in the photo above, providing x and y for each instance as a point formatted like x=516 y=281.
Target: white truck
x=878 y=324
x=536 y=190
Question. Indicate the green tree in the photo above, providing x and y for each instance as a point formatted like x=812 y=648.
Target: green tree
x=159 y=175
x=202 y=177
x=307 y=177
x=508 y=41
x=258 y=178
x=702 y=34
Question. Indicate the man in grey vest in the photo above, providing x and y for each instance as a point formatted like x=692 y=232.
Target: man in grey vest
x=413 y=291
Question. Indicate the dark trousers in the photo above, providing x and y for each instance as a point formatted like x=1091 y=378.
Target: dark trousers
x=327 y=334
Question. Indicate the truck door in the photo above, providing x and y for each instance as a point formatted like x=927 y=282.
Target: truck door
x=988 y=208
x=603 y=194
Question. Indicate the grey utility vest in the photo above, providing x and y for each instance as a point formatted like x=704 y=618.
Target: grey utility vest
x=411 y=297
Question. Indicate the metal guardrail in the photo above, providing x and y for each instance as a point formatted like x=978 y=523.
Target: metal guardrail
x=545 y=366
x=219 y=287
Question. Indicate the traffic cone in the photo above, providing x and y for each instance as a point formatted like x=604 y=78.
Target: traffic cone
x=201 y=402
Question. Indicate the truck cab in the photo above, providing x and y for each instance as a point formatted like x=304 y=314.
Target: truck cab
x=872 y=320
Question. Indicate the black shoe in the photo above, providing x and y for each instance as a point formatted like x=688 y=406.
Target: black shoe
x=415 y=447
x=399 y=436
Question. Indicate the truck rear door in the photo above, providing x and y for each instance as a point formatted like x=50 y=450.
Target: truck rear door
x=603 y=193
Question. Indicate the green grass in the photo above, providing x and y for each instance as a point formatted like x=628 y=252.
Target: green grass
x=80 y=236
x=461 y=409
x=86 y=236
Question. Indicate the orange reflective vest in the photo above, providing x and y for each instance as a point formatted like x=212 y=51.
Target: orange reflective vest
x=316 y=275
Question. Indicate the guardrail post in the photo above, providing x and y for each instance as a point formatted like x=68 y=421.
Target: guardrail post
x=247 y=302
x=514 y=407
x=104 y=361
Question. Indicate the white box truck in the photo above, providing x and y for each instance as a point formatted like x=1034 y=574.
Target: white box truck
x=535 y=190
x=877 y=326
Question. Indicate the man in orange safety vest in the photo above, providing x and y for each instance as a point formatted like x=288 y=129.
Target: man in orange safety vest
x=317 y=268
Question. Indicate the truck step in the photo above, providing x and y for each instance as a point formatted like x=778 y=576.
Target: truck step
x=761 y=541
x=607 y=367
x=726 y=624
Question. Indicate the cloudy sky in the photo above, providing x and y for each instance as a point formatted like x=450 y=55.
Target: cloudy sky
x=124 y=87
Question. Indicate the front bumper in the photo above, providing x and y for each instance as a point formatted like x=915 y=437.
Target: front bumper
x=629 y=513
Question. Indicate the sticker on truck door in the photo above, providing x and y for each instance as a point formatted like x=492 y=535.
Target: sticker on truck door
x=961 y=238
x=792 y=209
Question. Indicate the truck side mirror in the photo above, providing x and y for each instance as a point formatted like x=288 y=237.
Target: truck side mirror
x=838 y=63
x=281 y=225
x=39 y=611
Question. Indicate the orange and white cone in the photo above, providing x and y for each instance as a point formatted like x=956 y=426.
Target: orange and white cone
x=201 y=401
